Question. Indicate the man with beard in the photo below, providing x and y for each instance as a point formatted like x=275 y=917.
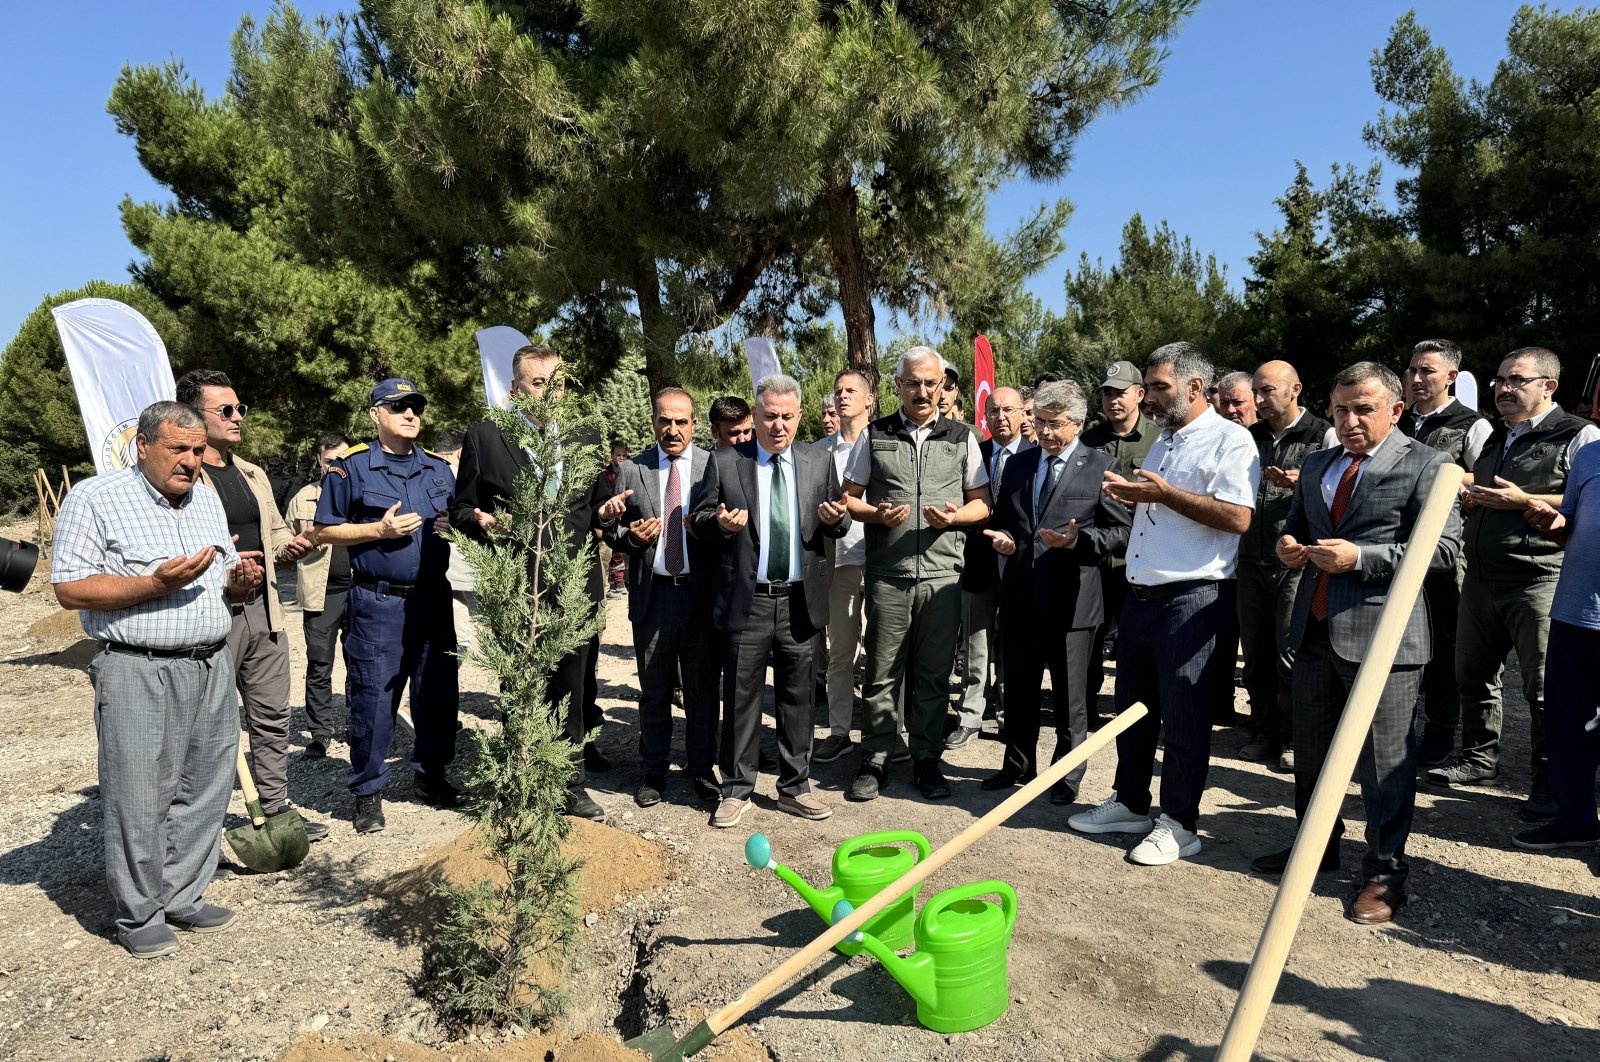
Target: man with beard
x=1192 y=499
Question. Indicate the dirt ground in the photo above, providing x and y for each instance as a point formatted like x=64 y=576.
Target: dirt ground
x=1498 y=951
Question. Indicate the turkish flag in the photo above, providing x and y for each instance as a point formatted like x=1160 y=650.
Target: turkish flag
x=982 y=381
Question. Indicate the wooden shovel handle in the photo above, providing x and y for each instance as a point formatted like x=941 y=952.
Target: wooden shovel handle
x=1239 y=1042
x=248 y=784
x=758 y=992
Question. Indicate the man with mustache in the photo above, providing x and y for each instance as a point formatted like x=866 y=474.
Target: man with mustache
x=145 y=555
x=1510 y=583
x=1192 y=499
x=669 y=597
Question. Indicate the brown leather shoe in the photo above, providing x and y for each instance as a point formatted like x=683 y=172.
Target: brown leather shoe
x=1376 y=903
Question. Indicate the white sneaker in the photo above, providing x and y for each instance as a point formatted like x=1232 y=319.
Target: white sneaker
x=1109 y=816
x=1167 y=842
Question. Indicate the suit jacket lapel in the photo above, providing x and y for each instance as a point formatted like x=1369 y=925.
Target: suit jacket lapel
x=519 y=456
x=1377 y=468
x=1314 y=466
x=1026 y=464
x=752 y=492
x=649 y=465
x=1074 y=469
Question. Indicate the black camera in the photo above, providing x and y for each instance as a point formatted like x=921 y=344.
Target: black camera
x=17 y=561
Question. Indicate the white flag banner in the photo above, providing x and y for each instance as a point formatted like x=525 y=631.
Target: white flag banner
x=762 y=357
x=119 y=366
x=495 y=348
x=1467 y=389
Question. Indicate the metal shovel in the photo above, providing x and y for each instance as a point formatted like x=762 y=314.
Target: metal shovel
x=266 y=844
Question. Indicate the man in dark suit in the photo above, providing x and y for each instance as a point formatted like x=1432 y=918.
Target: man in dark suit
x=980 y=582
x=487 y=473
x=769 y=511
x=1353 y=512
x=1052 y=527
x=669 y=596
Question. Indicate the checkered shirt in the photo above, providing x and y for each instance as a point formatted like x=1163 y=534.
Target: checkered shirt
x=118 y=524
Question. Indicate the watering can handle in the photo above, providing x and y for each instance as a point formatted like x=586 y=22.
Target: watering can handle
x=868 y=840
x=1008 y=899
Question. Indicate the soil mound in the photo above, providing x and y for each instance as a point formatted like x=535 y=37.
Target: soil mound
x=550 y=1047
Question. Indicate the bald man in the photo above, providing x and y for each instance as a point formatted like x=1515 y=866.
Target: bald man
x=1284 y=433
x=980 y=579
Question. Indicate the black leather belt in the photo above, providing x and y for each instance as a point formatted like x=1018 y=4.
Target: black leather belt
x=249 y=599
x=392 y=588
x=1168 y=590
x=670 y=580
x=193 y=652
x=775 y=589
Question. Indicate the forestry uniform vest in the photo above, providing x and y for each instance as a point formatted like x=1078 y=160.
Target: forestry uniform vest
x=1444 y=430
x=902 y=476
x=1499 y=543
x=1258 y=545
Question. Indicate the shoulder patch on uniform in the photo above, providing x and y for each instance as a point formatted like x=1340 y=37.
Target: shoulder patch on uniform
x=431 y=453
x=351 y=451
x=335 y=470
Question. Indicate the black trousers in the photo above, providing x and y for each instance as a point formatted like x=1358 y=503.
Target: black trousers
x=1441 y=697
x=1114 y=593
x=778 y=627
x=1030 y=648
x=322 y=631
x=568 y=681
x=1387 y=769
x=670 y=639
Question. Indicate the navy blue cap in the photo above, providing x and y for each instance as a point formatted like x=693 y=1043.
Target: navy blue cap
x=394 y=389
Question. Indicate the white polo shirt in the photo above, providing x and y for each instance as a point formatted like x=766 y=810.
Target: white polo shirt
x=1210 y=456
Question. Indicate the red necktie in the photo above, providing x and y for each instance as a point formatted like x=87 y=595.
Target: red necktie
x=1341 y=501
x=673 y=561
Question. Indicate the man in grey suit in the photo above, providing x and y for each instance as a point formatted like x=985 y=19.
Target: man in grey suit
x=1053 y=527
x=1352 y=515
x=669 y=583
x=769 y=510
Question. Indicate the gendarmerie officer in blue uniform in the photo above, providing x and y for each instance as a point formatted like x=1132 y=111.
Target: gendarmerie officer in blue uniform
x=385 y=501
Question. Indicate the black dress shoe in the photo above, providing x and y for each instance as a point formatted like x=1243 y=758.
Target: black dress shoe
x=649 y=794
x=960 y=737
x=581 y=806
x=1275 y=862
x=930 y=780
x=435 y=790
x=1063 y=793
x=369 y=814
x=317 y=749
x=706 y=787
x=1005 y=778
x=869 y=781
x=594 y=760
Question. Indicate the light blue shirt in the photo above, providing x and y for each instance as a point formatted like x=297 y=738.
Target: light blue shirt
x=1577 y=599
x=685 y=484
x=118 y=524
x=1335 y=470
x=1042 y=475
x=764 y=499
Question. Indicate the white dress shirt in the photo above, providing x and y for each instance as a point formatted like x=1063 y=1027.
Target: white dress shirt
x=685 y=481
x=852 y=548
x=1041 y=475
x=764 y=462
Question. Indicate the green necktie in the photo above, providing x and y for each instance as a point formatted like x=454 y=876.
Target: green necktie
x=778 y=526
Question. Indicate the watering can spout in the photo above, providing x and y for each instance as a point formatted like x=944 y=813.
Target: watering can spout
x=758 y=853
x=914 y=972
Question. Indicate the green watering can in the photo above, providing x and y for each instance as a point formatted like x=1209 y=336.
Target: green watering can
x=958 y=974
x=862 y=867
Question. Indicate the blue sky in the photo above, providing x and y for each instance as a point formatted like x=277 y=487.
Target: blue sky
x=1251 y=86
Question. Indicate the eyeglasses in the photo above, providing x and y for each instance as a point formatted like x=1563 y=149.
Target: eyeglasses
x=402 y=405
x=921 y=385
x=1516 y=383
x=225 y=411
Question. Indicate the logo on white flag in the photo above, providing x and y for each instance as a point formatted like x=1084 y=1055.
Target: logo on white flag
x=117 y=449
x=119 y=366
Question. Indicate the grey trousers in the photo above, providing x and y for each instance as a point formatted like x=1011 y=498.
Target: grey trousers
x=845 y=600
x=168 y=731
x=1266 y=610
x=261 y=668
x=911 y=635
x=1495 y=618
x=980 y=622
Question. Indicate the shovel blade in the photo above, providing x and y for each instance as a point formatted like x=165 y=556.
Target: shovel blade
x=662 y=1045
x=277 y=844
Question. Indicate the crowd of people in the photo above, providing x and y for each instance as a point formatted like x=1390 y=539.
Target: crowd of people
x=1207 y=514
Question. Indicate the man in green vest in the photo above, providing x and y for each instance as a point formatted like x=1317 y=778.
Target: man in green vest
x=915 y=479
x=1512 y=567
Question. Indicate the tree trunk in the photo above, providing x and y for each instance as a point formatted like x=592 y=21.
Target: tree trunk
x=660 y=332
x=855 y=286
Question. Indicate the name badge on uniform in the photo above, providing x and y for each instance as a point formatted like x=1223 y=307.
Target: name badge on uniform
x=885 y=445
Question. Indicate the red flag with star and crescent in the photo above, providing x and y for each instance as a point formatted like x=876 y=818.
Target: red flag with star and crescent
x=982 y=381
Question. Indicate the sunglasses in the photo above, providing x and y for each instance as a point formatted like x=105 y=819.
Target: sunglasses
x=402 y=405
x=225 y=411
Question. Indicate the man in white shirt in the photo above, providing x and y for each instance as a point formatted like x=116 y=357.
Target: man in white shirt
x=1192 y=500
x=852 y=402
